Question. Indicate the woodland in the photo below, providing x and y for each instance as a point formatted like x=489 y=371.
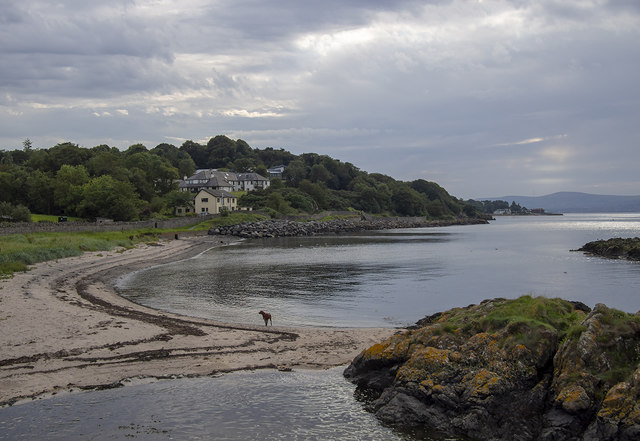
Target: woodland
x=142 y=183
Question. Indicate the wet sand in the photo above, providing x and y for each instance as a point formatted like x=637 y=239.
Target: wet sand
x=64 y=328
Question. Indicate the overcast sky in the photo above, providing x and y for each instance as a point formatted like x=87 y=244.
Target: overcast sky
x=485 y=97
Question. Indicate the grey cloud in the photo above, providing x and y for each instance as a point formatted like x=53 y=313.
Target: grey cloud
x=436 y=89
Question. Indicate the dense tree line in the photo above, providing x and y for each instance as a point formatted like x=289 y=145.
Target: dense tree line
x=94 y=182
x=138 y=182
x=489 y=207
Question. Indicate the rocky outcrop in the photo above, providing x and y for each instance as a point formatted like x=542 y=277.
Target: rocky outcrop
x=524 y=369
x=278 y=228
x=616 y=248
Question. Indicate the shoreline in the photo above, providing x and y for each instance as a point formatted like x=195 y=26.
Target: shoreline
x=65 y=328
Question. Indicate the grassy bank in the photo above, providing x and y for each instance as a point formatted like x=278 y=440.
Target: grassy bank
x=18 y=251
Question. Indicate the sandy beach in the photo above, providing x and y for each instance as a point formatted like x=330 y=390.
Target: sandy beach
x=64 y=328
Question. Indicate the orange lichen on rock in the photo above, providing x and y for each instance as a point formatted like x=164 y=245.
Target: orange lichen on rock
x=622 y=404
x=390 y=349
x=424 y=362
x=574 y=399
x=481 y=383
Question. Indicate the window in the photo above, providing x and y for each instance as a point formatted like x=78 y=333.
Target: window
x=179 y=210
x=205 y=200
x=218 y=200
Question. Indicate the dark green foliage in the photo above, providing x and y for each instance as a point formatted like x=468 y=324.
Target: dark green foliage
x=490 y=207
x=62 y=181
x=13 y=213
x=106 y=197
x=177 y=158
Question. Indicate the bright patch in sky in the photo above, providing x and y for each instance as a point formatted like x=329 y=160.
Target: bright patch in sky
x=480 y=97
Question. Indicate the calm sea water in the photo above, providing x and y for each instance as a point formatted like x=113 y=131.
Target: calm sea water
x=376 y=278
x=396 y=277
x=265 y=405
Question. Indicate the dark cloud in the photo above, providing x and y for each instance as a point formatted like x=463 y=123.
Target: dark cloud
x=526 y=96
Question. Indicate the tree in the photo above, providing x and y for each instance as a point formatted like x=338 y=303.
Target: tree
x=67 y=189
x=136 y=148
x=243 y=149
x=276 y=202
x=319 y=173
x=367 y=198
x=14 y=213
x=39 y=192
x=106 y=197
x=197 y=152
x=186 y=167
x=276 y=183
x=27 y=145
x=12 y=182
x=222 y=151
x=295 y=172
x=154 y=175
x=38 y=160
x=515 y=208
x=271 y=157
x=107 y=162
x=66 y=153
x=262 y=170
x=176 y=199
x=406 y=201
x=317 y=192
x=176 y=157
x=243 y=165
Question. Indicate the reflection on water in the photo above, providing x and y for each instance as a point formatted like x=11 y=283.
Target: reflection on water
x=395 y=277
x=321 y=281
x=269 y=405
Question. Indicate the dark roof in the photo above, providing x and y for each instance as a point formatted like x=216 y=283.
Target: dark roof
x=218 y=193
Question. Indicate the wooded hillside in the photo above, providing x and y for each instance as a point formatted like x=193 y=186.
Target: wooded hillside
x=139 y=183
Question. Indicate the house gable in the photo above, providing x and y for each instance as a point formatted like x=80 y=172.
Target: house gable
x=209 y=201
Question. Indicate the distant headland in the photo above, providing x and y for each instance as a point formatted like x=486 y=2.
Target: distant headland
x=575 y=202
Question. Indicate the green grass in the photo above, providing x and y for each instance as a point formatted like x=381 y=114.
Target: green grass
x=523 y=319
x=340 y=217
x=232 y=219
x=51 y=218
x=18 y=251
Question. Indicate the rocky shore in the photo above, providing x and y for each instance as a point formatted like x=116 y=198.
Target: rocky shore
x=616 y=248
x=518 y=370
x=279 y=228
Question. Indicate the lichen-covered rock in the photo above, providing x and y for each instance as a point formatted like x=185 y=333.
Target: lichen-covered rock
x=618 y=248
x=523 y=369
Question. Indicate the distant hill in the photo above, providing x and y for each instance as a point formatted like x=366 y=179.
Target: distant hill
x=573 y=202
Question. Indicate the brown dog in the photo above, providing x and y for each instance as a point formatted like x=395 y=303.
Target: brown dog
x=267 y=317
